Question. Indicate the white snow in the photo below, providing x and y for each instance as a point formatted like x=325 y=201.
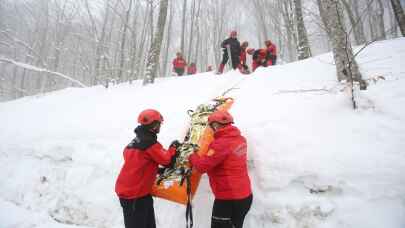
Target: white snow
x=313 y=160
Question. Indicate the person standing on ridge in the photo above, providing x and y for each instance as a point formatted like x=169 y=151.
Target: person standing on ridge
x=271 y=53
x=226 y=166
x=137 y=176
x=179 y=64
x=232 y=44
x=244 y=67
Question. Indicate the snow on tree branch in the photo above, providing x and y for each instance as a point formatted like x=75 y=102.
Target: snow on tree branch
x=37 y=69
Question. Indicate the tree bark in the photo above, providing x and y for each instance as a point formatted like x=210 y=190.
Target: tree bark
x=357 y=33
x=100 y=44
x=154 y=53
x=168 y=41
x=303 y=48
x=359 y=21
x=346 y=65
x=399 y=15
x=380 y=17
x=183 y=26
x=121 y=75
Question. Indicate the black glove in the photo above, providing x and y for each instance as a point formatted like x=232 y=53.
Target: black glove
x=175 y=144
x=173 y=160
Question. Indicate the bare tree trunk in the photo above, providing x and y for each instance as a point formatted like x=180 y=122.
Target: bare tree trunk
x=154 y=53
x=168 y=40
x=354 y=23
x=191 y=32
x=100 y=50
x=290 y=34
x=399 y=15
x=371 y=21
x=121 y=75
x=359 y=28
x=346 y=65
x=393 y=24
x=134 y=41
x=380 y=16
x=197 y=49
x=303 y=48
x=183 y=26
x=141 y=47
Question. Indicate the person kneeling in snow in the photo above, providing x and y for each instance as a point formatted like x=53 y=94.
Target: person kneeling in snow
x=142 y=157
x=226 y=166
x=259 y=58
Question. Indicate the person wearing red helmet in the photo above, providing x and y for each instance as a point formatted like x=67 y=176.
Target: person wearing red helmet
x=271 y=53
x=234 y=47
x=141 y=159
x=179 y=64
x=226 y=166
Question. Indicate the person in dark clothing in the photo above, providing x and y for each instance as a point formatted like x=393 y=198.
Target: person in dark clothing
x=234 y=47
x=142 y=156
x=226 y=166
x=234 y=210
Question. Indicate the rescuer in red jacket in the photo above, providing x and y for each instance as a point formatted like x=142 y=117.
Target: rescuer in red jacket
x=226 y=166
x=191 y=69
x=271 y=53
x=179 y=64
x=141 y=159
x=243 y=64
x=259 y=58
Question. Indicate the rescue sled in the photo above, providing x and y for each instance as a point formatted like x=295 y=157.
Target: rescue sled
x=179 y=184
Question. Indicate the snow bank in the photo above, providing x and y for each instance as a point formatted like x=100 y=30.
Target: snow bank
x=314 y=162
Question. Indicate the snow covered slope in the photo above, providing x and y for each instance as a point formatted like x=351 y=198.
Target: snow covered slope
x=314 y=162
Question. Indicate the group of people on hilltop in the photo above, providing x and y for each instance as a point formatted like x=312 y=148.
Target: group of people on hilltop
x=264 y=57
x=180 y=66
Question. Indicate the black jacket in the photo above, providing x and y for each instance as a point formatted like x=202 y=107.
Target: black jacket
x=234 y=46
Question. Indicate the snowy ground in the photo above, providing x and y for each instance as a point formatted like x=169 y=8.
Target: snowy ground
x=314 y=162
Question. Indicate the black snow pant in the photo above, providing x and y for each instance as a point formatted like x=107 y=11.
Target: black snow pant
x=230 y=213
x=139 y=212
x=235 y=59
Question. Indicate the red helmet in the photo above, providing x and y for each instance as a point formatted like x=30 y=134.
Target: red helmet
x=222 y=117
x=234 y=33
x=149 y=116
x=250 y=51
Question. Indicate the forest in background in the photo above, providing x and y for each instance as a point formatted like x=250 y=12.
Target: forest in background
x=47 y=45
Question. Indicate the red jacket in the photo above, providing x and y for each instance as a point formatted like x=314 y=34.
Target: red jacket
x=259 y=58
x=179 y=63
x=226 y=164
x=272 y=49
x=140 y=169
x=243 y=56
x=191 y=70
